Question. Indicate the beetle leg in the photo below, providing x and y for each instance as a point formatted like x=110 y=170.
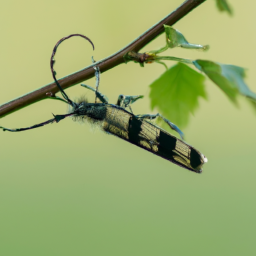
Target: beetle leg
x=125 y=101
x=171 y=125
x=103 y=98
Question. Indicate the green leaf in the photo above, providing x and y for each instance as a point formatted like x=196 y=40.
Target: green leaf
x=176 y=93
x=224 y=6
x=176 y=39
x=229 y=78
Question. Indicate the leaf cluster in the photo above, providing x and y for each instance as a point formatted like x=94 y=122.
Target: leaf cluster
x=177 y=92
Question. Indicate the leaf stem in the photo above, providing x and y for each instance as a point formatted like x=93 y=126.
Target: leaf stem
x=163 y=49
x=187 y=61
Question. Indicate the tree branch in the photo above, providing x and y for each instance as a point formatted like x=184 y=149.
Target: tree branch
x=104 y=64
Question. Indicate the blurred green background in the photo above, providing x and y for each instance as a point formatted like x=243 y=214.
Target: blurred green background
x=66 y=190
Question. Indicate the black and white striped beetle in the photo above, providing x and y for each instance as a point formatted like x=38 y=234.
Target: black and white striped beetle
x=116 y=120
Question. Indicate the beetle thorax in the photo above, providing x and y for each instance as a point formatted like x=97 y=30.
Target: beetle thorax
x=81 y=108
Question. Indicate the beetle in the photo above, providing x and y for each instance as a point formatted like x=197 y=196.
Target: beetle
x=114 y=119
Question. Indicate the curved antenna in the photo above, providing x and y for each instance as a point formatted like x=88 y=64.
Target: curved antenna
x=52 y=62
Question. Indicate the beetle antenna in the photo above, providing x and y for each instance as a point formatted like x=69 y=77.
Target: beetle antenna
x=52 y=62
x=56 y=119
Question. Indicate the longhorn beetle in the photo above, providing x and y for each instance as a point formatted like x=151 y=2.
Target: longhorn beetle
x=116 y=120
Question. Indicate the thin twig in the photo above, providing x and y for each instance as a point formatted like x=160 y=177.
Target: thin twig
x=104 y=64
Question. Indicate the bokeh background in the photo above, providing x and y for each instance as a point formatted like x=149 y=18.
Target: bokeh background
x=67 y=190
